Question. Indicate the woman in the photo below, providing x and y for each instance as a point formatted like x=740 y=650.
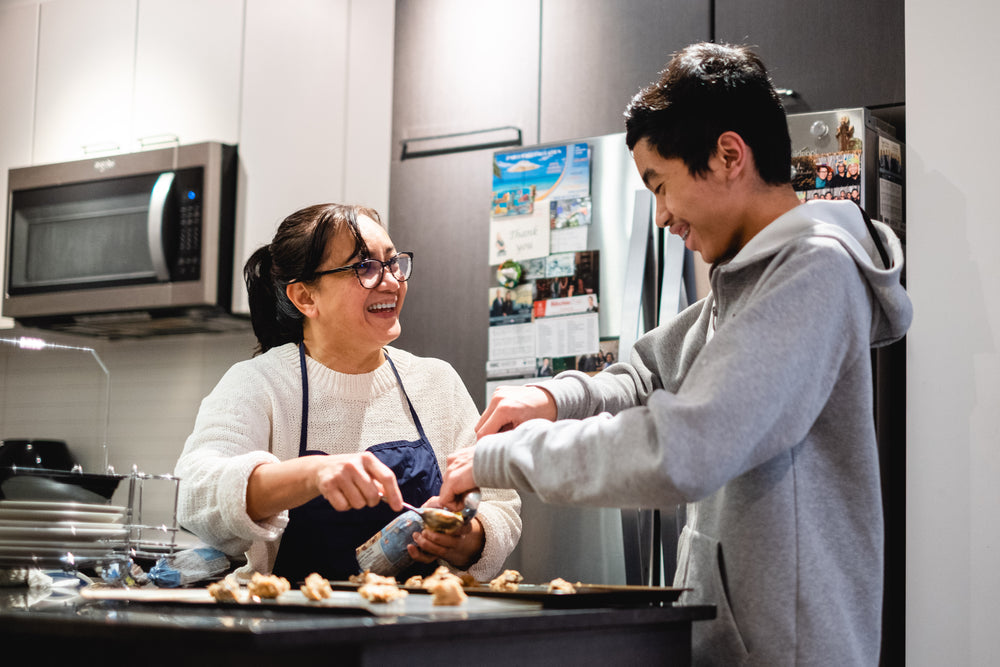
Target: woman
x=293 y=450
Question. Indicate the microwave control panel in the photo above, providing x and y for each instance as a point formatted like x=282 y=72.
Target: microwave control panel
x=186 y=260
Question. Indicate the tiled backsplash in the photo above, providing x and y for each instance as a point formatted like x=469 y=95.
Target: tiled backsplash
x=156 y=387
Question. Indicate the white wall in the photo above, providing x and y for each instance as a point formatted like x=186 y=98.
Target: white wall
x=953 y=368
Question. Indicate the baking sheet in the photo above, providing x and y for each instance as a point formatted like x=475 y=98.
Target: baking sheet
x=586 y=596
x=349 y=601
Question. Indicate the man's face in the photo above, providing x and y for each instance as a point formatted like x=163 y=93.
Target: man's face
x=692 y=207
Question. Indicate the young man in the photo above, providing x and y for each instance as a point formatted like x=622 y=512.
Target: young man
x=753 y=405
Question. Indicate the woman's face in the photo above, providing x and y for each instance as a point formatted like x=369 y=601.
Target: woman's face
x=353 y=316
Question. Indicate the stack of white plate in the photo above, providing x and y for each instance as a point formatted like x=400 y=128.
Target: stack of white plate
x=33 y=531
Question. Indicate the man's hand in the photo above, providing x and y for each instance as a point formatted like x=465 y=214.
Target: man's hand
x=511 y=406
x=458 y=479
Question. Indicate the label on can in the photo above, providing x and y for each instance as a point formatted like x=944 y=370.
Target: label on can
x=385 y=552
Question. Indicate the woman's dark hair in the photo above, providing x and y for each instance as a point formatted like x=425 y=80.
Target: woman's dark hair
x=708 y=89
x=294 y=255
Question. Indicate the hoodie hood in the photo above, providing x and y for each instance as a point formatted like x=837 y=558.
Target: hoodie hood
x=843 y=222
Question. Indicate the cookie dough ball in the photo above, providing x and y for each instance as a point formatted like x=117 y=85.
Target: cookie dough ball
x=560 y=585
x=448 y=592
x=267 y=586
x=316 y=587
x=506 y=581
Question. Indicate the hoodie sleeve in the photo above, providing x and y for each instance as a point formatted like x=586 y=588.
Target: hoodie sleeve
x=625 y=385
x=754 y=390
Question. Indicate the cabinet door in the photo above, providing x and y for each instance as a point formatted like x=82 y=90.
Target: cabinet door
x=19 y=36
x=83 y=102
x=597 y=54
x=460 y=67
x=441 y=213
x=832 y=54
x=293 y=108
x=464 y=67
x=187 y=71
x=368 y=107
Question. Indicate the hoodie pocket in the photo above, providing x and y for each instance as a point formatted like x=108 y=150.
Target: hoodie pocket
x=703 y=571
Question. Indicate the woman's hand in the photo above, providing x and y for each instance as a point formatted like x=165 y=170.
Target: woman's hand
x=354 y=481
x=461 y=549
x=511 y=406
x=347 y=481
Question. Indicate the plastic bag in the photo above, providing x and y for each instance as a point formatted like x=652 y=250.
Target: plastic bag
x=188 y=566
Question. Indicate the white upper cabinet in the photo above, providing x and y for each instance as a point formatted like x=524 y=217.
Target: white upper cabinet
x=19 y=36
x=315 y=120
x=83 y=98
x=120 y=75
x=304 y=88
x=187 y=71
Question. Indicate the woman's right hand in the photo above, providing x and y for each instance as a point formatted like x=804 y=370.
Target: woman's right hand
x=511 y=406
x=347 y=481
x=354 y=481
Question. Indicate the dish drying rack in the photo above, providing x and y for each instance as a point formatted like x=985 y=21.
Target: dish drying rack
x=141 y=540
x=135 y=544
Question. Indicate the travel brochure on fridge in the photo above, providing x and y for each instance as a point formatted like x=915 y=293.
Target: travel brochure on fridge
x=543 y=309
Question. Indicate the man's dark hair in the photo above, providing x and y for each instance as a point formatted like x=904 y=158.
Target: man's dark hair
x=705 y=90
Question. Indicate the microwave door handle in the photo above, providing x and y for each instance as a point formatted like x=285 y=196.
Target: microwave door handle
x=155 y=224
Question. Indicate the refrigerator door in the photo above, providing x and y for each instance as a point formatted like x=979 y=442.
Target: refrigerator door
x=586 y=543
x=447 y=314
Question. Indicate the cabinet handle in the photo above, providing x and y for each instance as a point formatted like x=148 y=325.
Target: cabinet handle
x=159 y=140
x=460 y=142
x=103 y=147
x=786 y=92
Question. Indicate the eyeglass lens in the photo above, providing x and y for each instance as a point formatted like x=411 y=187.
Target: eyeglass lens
x=370 y=271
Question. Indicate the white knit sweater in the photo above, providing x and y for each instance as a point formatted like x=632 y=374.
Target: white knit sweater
x=253 y=416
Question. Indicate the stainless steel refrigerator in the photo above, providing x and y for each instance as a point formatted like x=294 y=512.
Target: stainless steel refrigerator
x=874 y=140
x=644 y=275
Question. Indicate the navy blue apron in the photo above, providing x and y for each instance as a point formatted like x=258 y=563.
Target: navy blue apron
x=320 y=539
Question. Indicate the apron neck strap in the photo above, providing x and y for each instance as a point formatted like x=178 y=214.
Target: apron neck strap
x=304 y=427
x=409 y=403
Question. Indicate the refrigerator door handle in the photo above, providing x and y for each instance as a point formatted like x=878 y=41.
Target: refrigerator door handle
x=635 y=273
x=650 y=536
x=673 y=293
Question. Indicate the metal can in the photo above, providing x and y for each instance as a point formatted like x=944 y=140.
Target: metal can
x=385 y=552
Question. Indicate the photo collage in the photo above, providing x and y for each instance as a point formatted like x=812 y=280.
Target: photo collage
x=834 y=175
x=828 y=176
x=544 y=306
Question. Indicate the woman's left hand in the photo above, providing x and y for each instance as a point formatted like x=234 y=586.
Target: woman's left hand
x=461 y=549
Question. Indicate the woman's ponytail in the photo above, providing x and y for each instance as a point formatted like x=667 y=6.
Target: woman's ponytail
x=275 y=319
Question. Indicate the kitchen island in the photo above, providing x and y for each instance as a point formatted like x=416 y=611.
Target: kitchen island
x=69 y=629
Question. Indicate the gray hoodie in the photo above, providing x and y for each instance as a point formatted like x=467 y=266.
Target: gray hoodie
x=754 y=406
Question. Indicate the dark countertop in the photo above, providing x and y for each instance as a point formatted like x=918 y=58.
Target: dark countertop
x=67 y=628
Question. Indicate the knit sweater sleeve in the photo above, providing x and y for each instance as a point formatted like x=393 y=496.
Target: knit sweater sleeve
x=230 y=438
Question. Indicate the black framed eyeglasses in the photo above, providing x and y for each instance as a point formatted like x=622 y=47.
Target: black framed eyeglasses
x=370 y=271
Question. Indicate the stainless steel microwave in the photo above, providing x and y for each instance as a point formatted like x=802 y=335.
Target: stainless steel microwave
x=125 y=245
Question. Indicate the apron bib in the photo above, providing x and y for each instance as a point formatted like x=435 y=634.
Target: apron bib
x=320 y=539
